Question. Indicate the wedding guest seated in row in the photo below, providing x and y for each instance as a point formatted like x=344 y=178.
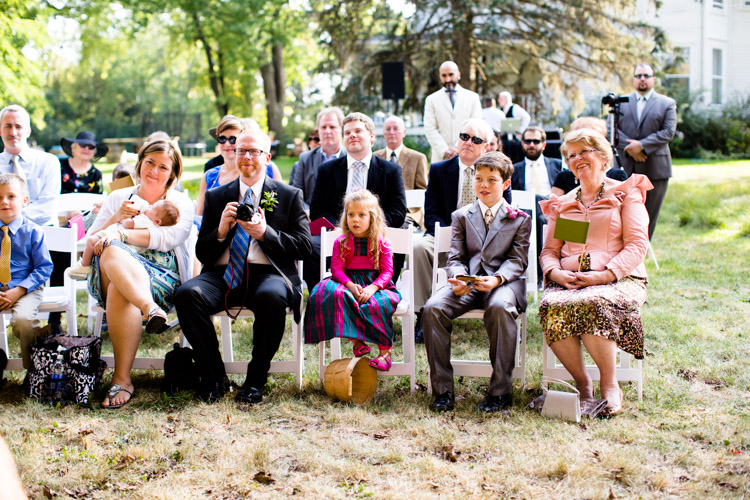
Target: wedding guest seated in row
x=358 y=169
x=490 y=245
x=358 y=301
x=133 y=286
x=566 y=181
x=594 y=291
x=247 y=263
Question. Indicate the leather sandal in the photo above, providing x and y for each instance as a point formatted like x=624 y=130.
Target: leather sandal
x=382 y=363
x=360 y=349
x=155 y=320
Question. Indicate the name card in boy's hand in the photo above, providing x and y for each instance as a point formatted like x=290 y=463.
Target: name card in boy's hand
x=574 y=231
x=469 y=280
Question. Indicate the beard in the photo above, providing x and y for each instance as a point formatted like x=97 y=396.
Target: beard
x=533 y=156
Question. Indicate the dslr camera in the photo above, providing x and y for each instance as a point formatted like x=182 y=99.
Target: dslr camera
x=245 y=211
x=613 y=99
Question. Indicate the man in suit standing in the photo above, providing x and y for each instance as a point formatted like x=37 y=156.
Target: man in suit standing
x=305 y=170
x=449 y=188
x=647 y=124
x=490 y=240
x=359 y=169
x=248 y=263
x=536 y=173
x=413 y=163
x=445 y=111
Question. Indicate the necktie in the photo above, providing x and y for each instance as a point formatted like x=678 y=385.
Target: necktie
x=488 y=218
x=640 y=105
x=536 y=177
x=467 y=190
x=5 y=257
x=238 y=252
x=358 y=176
x=452 y=96
x=393 y=157
x=17 y=167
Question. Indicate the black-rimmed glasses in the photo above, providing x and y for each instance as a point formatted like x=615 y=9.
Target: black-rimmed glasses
x=251 y=152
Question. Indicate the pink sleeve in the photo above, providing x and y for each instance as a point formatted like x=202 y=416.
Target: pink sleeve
x=549 y=258
x=338 y=265
x=634 y=227
x=386 y=264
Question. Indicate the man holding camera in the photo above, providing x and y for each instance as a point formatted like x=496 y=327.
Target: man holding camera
x=254 y=228
x=647 y=123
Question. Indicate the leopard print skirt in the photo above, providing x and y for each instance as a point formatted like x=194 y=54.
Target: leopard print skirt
x=611 y=311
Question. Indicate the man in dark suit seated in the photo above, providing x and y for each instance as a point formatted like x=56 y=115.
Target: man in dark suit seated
x=248 y=263
x=536 y=173
x=359 y=169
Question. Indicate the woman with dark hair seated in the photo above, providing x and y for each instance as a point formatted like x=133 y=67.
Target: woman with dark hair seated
x=594 y=291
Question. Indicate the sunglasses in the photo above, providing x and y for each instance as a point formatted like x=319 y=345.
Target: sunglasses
x=642 y=75
x=476 y=140
x=222 y=139
x=532 y=141
x=87 y=146
x=311 y=138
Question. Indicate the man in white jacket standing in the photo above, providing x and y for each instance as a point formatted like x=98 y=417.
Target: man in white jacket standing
x=445 y=111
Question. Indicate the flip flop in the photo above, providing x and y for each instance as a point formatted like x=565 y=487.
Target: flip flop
x=155 y=320
x=361 y=349
x=114 y=391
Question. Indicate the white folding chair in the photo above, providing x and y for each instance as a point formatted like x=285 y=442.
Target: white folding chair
x=475 y=368
x=79 y=201
x=401 y=242
x=415 y=198
x=526 y=200
x=295 y=365
x=55 y=298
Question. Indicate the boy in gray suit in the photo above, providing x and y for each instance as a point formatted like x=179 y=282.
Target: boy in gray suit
x=489 y=241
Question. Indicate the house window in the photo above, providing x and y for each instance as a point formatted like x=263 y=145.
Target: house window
x=716 y=77
x=677 y=72
x=718 y=4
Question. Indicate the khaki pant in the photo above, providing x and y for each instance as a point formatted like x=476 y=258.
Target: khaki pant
x=25 y=321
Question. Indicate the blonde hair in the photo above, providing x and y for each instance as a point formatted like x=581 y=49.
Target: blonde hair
x=377 y=224
x=588 y=138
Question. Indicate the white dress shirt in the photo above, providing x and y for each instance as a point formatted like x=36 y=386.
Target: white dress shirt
x=541 y=170
x=43 y=179
x=255 y=254
x=397 y=151
x=641 y=103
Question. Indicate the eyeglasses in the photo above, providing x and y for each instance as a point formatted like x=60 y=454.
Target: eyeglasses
x=642 y=75
x=532 y=141
x=251 y=152
x=476 y=140
x=87 y=146
x=311 y=138
x=222 y=139
x=580 y=154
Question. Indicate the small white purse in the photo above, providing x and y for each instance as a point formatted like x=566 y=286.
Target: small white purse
x=560 y=404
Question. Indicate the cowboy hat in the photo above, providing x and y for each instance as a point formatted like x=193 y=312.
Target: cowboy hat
x=84 y=138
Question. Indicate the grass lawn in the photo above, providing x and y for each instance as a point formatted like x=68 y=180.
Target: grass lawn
x=689 y=439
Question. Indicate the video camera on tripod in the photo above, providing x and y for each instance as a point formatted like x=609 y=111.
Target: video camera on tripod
x=613 y=101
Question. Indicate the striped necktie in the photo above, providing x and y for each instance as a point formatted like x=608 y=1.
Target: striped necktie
x=238 y=251
x=358 y=176
x=5 y=257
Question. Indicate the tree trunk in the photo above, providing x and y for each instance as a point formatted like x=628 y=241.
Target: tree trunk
x=215 y=74
x=274 y=87
x=462 y=37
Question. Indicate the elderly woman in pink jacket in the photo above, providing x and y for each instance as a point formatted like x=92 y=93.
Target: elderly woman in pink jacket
x=594 y=291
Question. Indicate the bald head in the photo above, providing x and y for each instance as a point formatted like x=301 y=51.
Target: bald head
x=449 y=74
x=394 y=132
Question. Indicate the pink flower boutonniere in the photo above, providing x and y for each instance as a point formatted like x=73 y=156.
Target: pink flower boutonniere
x=513 y=212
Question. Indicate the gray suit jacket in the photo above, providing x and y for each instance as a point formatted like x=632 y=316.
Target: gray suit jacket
x=502 y=251
x=655 y=130
x=305 y=172
x=414 y=172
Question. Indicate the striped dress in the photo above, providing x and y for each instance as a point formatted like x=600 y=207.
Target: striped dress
x=332 y=311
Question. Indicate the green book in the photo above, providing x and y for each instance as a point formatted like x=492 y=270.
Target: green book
x=574 y=231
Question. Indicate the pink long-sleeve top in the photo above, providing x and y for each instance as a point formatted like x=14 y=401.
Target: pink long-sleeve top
x=618 y=232
x=339 y=265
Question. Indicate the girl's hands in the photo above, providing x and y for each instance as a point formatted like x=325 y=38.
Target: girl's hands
x=366 y=293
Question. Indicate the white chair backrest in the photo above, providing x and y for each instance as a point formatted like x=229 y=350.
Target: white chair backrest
x=79 y=201
x=415 y=198
x=327 y=239
x=62 y=239
x=526 y=200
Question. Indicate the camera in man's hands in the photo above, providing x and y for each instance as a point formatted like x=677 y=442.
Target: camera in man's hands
x=612 y=99
x=245 y=211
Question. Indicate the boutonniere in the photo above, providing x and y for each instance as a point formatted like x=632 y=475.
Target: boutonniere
x=269 y=201
x=513 y=212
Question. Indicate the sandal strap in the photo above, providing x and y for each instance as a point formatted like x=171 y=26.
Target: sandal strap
x=115 y=389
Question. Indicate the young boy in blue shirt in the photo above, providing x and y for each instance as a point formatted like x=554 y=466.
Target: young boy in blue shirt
x=25 y=264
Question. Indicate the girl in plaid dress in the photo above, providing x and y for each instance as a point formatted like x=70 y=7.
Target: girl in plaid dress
x=358 y=300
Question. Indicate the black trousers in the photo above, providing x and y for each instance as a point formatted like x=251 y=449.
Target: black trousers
x=267 y=297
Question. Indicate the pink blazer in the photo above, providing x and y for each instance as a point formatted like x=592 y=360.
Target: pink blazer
x=618 y=233
x=339 y=265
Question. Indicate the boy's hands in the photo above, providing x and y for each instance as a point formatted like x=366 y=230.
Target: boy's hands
x=481 y=284
x=8 y=298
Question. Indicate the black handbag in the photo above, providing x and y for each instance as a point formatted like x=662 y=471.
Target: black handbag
x=82 y=368
x=180 y=372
